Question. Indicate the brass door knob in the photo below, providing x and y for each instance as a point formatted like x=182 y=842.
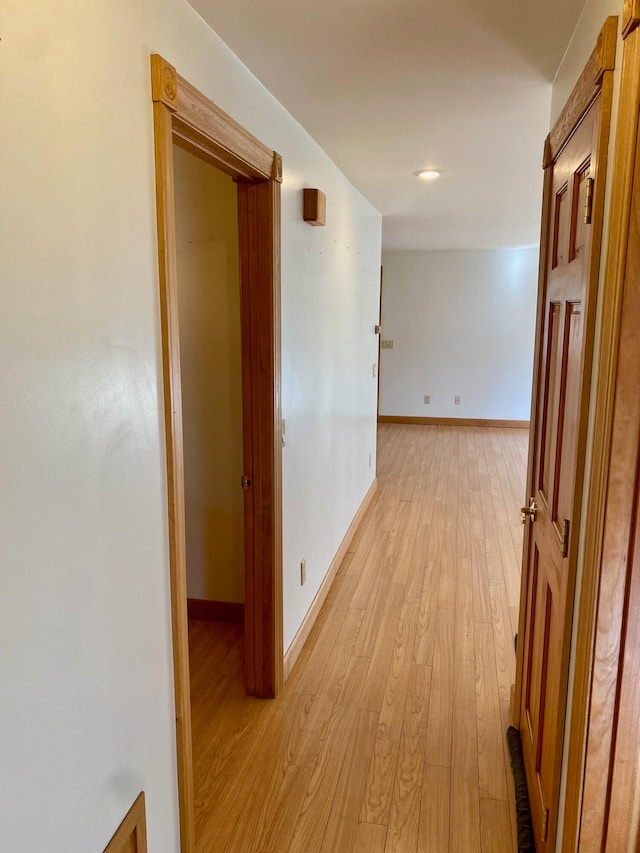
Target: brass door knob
x=528 y=511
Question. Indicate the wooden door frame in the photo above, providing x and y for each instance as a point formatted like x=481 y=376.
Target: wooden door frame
x=596 y=81
x=184 y=116
x=600 y=810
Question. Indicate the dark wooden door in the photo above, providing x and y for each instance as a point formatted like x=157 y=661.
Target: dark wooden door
x=555 y=465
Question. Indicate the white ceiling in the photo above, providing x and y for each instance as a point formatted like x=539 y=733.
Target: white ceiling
x=388 y=87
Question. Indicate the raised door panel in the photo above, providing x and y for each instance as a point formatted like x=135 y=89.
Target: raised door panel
x=553 y=342
x=580 y=221
x=566 y=445
x=561 y=227
x=554 y=471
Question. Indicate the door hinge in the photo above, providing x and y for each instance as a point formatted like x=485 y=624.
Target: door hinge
x=545 y=824
x=588 y=201
x=564 y=538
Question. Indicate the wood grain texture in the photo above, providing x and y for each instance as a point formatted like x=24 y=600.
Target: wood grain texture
x=440 y=718
x=303 y=632
x=561 y=250
x=570 y=286
x=259 y=238
x=434 y=828
x=464 y=829
x=343 y=820
x=370 y=838
x=384 y=760
x=611 y=570
x=389 y=733
x=168 y=279
x=490 y=734
x=238 y=152
x=623 y=822
x=404 y=819
x=588 y=752
x=495 y=830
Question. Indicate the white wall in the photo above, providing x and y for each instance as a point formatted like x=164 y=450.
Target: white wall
x=463 y=324
x=211 y=367
x=579 y=50
x=87 y=716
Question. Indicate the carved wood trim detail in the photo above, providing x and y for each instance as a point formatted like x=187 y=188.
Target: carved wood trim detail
x=164 y=82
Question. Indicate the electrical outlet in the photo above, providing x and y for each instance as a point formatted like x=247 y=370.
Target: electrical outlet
x=303 y=571
x=427 y=399
x=456 y=400
x=374 y=370
x=386 y=344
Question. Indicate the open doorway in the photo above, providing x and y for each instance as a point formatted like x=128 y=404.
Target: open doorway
x=206 y=207
x=184 y=117
x=209 y=309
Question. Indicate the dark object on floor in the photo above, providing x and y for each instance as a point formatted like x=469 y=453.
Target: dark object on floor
x=523 y=814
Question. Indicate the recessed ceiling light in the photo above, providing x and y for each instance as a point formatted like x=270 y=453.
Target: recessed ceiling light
x=428 y=174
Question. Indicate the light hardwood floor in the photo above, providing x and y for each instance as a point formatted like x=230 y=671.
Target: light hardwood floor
x=389 y=734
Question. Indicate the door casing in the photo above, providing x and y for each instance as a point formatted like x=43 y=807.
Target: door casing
x=183 y=116
x=601 y=804
x=595 y=82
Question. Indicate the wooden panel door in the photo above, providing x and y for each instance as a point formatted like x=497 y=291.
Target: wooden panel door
x=555 y=467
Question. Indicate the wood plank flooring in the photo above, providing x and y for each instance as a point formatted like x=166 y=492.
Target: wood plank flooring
x=389 y=734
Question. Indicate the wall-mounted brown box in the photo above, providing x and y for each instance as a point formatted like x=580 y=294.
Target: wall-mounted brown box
x=314 y=207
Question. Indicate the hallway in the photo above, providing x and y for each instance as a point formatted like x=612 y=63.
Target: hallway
x=389 y=734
